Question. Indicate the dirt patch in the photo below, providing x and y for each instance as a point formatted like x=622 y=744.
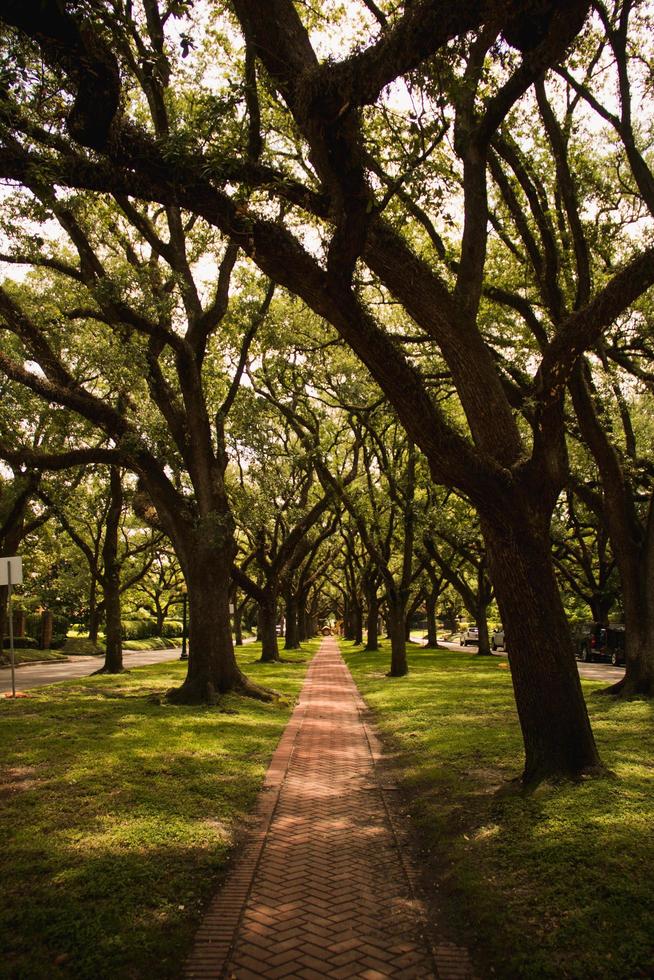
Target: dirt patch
x=17 y=779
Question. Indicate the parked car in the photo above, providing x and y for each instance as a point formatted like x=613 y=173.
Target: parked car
x=593 y=641
x=470 y=636
x=497 y=639
x=614 y=640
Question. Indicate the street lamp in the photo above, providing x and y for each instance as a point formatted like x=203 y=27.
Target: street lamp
x=184 y=655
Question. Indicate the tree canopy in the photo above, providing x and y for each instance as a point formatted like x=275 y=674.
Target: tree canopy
x=460 y=192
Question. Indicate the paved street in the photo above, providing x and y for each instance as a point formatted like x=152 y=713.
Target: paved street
x=593 y=672
x=35 y=675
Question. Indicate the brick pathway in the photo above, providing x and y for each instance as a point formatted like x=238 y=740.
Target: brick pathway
x=322 y=889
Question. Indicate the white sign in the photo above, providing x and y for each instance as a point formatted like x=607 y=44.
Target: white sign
x=11 y=571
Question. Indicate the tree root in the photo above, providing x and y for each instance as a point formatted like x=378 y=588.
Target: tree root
x=623 y=690
x=109 y=671
x=196 y=692
x=250 y=690
x=529 y=782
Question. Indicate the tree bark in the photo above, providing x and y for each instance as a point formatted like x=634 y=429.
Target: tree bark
x=432 y=632
x=481 y=621
x=160 y=616
x=113 y=659
x=238 y=614
x=291 y=637
x=212 y=666
x=555 y=727
x=94 y=613
x=302 y=618
x=357 y=622
x=268 y=630
x=348 y=620
x=632 y=541
x=396 y=629
x=110 y=581
x=372 y=622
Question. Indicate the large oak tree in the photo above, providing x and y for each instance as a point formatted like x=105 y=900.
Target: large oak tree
x=468 y=65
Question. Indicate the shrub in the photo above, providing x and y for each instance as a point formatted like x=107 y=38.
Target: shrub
x=22 y=643
x=172 y=627
x=138 y=629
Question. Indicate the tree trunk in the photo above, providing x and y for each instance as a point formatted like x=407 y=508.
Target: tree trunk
x=632 y=543
x=268 y=630
x=600 y=607
x=160 y=616
x=113 y=658
x=94 y=613
x=238 y=625
x=552 y=712
x=19 y=622
x=357 y=623
x=432 y=632
x=45 y=630
x=348 y=627
x=372 y=623
x=212 y=666
x=396 y=629
x=481 y=621
x=302 y=619
x=291 y=637
x=638 y=600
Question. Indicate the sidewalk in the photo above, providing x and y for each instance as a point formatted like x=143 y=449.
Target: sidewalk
x=322 y=888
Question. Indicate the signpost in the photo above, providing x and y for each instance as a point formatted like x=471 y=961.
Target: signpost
x=11 y=573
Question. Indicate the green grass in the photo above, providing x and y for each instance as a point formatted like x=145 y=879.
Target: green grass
x=118 y=815
x=81 y=646
x=30 y=656
x=552 y=884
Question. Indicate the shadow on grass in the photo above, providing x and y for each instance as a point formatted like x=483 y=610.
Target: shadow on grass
x=117 y=835
x=553 y=883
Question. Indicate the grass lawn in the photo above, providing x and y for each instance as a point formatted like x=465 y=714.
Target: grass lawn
x=118 y=815
x=30 y=656
x=556 y=883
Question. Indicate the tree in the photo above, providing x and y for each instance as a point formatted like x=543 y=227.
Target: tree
x=94 y=517
x=277 y=513
x=16 y=522
x=160 y=588
x=456 y=58
x=582 y=554
x=163 y=431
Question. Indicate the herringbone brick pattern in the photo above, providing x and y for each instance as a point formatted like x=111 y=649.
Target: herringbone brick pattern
x=321 y=890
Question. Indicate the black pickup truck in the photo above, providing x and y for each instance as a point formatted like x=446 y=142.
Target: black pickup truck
x=593 y=641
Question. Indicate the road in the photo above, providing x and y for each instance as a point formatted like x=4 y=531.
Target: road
x=36 y=675
x=593 y=672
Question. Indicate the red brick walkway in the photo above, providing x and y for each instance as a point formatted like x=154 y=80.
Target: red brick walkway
x=322 y=889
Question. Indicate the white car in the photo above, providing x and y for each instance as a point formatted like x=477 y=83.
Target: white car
x=497 y=639
x=470 y=636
